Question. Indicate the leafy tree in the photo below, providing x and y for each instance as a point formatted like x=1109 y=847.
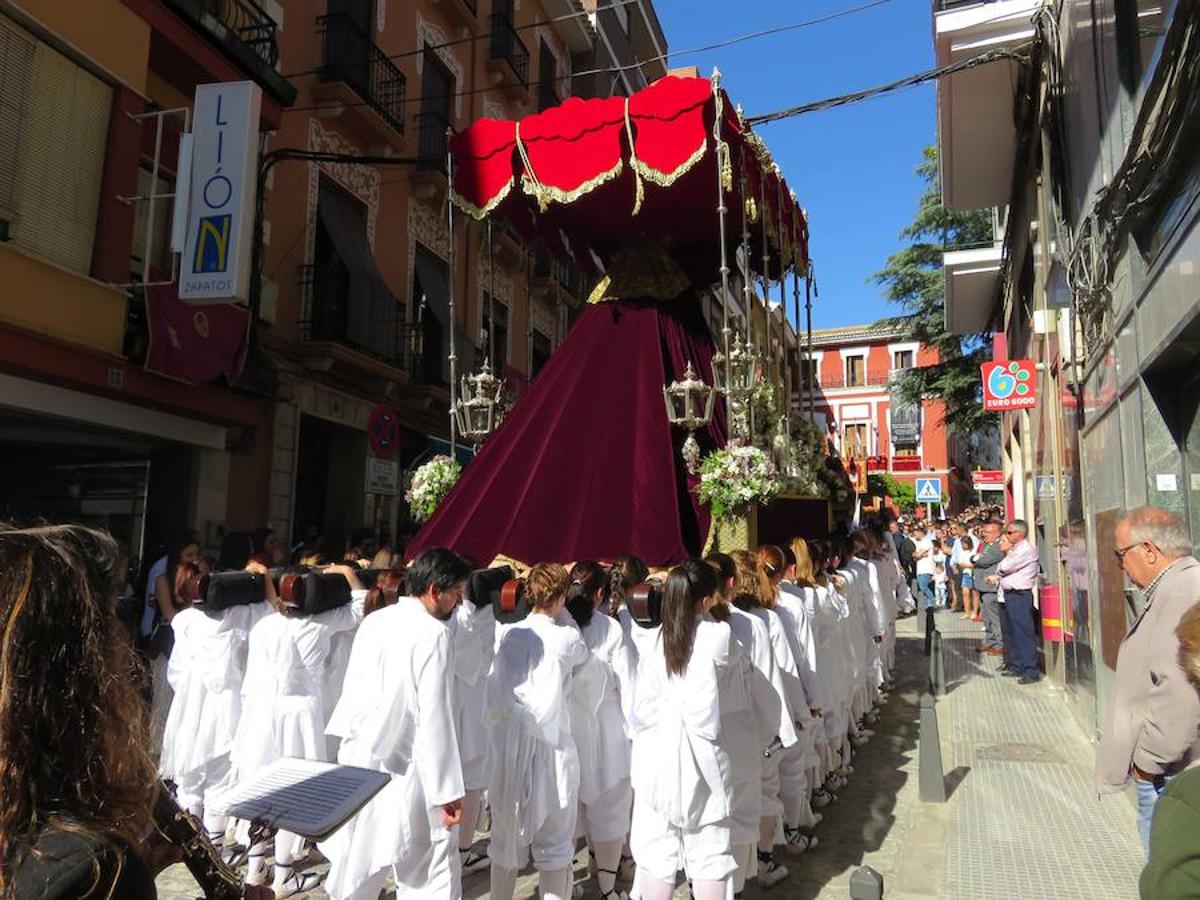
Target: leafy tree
x=913 y=279
x=882 y=484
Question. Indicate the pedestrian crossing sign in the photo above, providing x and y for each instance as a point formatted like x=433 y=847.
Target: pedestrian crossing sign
x=929 y=490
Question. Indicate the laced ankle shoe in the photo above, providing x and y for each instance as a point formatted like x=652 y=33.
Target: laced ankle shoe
x=293 y=882
x=256 y=869
x=821 y=798
x=613 y=893
x=797 y=841
x=769 y=872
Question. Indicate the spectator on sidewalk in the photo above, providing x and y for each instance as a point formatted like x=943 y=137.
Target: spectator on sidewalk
x=1016 y=575
x=1154 y=722
x=1173 y=869
x=985 y=562
x=904 y=549
x=923 y=555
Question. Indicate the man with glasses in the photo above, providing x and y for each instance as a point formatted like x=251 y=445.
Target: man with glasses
x=1153 y=729
x=1016 y=575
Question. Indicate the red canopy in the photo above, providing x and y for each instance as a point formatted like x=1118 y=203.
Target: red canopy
x=593 y=175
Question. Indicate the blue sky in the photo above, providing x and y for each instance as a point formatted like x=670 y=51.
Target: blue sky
x=852 y=167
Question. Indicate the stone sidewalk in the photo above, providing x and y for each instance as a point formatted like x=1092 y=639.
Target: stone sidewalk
x=1022 y=818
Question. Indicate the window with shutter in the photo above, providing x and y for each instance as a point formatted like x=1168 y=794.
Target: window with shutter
x=59 y=124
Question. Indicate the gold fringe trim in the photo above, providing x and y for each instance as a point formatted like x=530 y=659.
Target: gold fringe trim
x=666 y=179
x=751 y=210
x=545 y=194
x=600 y=290
x=482 y=212
x=726 y=165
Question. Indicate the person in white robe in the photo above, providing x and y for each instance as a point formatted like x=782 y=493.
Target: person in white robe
x=283 y=711
x=206 y=668
x=623 y=575
x=754 y=718
x=472 y=639
x=681 y=768
x=533 y=781
x=876 y=616
x=396 y=715
x=603 y=739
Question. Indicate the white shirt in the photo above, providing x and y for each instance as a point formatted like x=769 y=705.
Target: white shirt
x=924 y=563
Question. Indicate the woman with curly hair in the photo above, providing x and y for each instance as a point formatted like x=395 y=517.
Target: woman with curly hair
x=77 y=783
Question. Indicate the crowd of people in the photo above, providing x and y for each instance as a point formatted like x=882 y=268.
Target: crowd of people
x=986 y=569
x=705 y=738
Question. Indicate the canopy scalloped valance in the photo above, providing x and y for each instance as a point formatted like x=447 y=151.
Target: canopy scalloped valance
x=596 y=174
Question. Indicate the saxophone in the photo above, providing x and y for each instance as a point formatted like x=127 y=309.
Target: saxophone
x=203 y=860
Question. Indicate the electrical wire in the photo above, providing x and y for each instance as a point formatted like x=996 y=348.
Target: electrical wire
x=727 y=42
x=982 y=59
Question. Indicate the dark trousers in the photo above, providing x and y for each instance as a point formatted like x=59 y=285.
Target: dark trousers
x=1020 y=641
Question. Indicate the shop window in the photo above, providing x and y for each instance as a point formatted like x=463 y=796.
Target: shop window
x=53 y=128
x=856 y=371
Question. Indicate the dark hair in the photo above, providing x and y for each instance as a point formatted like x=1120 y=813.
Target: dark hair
x=967 y=542
x=173 y=573
x=236 y=549
x=260 y=536
x=624 y=574
x=726 y=570
x=436 y=567
x=331 y=548
x=587 y=577
x=687 y=584
x=73 y=728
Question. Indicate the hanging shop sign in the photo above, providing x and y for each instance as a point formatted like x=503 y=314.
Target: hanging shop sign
x=1009 y=385
x=215 y=265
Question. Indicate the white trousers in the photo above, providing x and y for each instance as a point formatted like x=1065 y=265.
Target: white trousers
x=429 y=873
x=607 y=818
x=198 y=788
x=662 y=849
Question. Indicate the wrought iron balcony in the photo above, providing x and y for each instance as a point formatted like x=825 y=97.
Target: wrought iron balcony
x=244 y=20
x=350 y=56
x=507 y=46
x=326 y=301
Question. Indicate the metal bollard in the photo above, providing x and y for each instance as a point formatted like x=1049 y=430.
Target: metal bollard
x=937 y=666
x=930 y=627
x=866 y=884
x=931 y=780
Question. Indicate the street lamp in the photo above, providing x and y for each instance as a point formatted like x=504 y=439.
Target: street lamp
x=737 y=380
x=477 y=409
x=690 y=406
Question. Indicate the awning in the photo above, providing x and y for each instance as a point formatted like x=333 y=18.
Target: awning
x=371 y=310
x=605 y=171
x=434 y=287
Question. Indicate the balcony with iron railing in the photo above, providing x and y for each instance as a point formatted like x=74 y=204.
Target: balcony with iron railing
x=508 y=58
x=873 y=378
x=327 y=315
x=350 y=59
x=555 y=274
x=432 y=137
x=246 y=33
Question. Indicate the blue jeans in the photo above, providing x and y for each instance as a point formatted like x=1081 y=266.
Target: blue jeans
x=925 y=587
x=1148 y=793
x=1022 y=650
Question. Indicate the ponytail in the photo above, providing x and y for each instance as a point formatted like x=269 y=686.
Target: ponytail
x=688 y=584
x=747 y=590
x=587 y=578
x=771 y=565
x=624 y=574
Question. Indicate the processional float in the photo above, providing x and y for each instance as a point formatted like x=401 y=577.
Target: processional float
x=656 y=195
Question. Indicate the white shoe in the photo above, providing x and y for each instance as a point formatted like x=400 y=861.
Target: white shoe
x=797 y=842
x=845 y=771
x=770 y=872
x=817 y=820
x=296 y=883
x=821 y=798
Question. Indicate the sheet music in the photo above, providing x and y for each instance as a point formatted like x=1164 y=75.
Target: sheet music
x=312 y=799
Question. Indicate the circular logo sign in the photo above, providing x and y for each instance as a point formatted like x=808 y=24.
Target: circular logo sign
x=383 y=430
x=1009 y=381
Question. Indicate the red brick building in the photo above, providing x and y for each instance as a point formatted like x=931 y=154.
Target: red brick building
x=855 y=403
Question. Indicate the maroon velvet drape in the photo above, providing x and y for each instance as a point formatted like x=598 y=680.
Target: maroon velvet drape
x=586 y=465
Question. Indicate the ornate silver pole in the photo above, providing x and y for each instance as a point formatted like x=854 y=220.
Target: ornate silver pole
x=805 y=382
x=450 y=291
x=490 y=355
x=722 y=152
x=808 y=283
x=747 y=278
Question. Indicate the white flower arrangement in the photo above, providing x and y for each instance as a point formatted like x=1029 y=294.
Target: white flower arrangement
x=429 y=485
x=737 y=477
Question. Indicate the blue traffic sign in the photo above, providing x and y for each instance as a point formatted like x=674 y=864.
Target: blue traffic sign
x=929 y=490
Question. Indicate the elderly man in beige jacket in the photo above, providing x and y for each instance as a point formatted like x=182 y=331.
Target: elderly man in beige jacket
x=1154 y=725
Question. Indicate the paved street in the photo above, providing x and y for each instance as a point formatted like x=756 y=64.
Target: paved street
x=1022 y=819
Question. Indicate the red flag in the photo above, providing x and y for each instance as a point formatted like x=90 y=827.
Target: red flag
x=192 y=342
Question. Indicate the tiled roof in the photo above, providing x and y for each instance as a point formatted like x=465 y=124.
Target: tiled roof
x=874 y=332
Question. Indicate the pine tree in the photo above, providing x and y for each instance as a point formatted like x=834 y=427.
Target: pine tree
x=913 y=279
